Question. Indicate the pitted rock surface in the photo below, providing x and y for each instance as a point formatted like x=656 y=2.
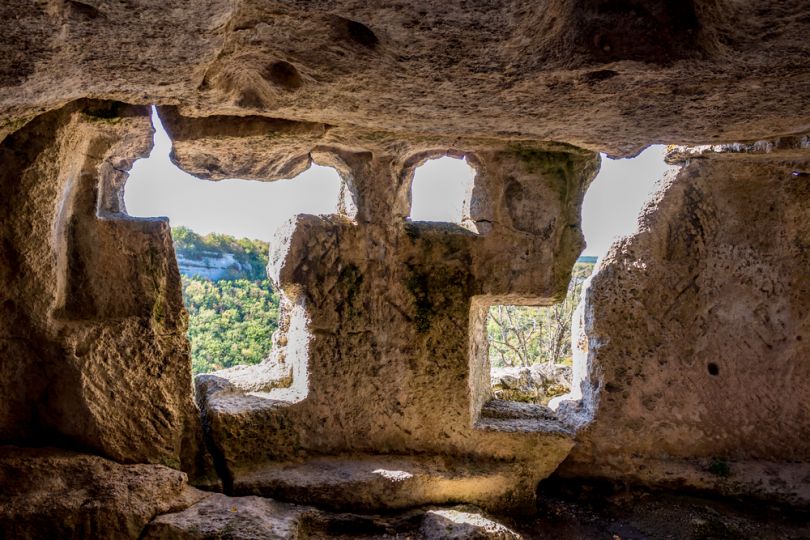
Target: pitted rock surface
x=695 y=331
x=52 y=493
x=383 y=340
x=92 y=319
x=612 y=75
x=235 y=518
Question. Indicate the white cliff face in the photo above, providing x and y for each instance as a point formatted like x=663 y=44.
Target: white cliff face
x=213 y=268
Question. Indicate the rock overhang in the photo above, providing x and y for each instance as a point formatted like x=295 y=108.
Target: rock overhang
x=612 y=76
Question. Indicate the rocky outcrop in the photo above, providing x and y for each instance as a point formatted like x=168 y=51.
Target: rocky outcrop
x=213 y=267
x=249 y=518
x=50 y=493
x=235 y=518
x=608 y=75
x=696 y=335
x=532 y=384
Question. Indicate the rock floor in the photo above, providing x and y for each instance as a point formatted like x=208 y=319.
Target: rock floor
x=570 y=510
x=52 y=493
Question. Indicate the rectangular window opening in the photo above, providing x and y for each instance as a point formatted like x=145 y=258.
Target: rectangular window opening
x=530 y=348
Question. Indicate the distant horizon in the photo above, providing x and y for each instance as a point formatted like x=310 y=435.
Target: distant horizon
x=254 y=209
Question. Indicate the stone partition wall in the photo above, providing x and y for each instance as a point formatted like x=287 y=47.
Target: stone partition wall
x=92 y=322
x=381 y=364
x=695 y=337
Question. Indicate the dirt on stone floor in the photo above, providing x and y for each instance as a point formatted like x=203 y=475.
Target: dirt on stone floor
x=570 y=510
x=576 y=510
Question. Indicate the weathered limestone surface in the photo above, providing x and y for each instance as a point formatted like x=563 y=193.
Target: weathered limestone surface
x=532 y=384
x=235 y=518
x=376 y=483
x=92 y=323
x=613 y=75
x=696 y=331
x=50 y=493
x=381 y=323
x=56 y=493
x=463 y=523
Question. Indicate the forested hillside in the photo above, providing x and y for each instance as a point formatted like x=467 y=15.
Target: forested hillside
x=231 y=320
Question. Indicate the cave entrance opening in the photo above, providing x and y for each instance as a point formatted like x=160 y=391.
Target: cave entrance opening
x=223 y=232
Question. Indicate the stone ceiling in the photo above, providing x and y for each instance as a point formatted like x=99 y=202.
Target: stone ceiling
x=608 y=75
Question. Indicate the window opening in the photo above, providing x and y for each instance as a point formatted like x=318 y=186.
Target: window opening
x=618 y=194
x=439 y=190
x=221 y=232
x=530 y=349
x=530 y=353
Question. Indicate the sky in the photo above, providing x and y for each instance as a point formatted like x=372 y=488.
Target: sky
x=253 y=209
x=617 y=195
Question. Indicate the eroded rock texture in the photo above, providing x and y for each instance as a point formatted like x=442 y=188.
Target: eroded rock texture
x=612 y=75
x=50 y=493
x=696 y=330
x=236 y=518
x=378 y=397
x=253 y=518
x=55 y=493
x=92 y=326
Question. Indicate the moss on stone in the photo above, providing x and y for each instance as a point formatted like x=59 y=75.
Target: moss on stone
x=350 y=281
x=171 y=462
x=719 y=467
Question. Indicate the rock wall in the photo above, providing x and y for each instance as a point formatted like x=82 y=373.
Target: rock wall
x=696 y=330
x=94 y=326
x=92 y=323
x=53 y=493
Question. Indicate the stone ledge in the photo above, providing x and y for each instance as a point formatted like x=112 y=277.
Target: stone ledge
x=783 y=483
x=372 y=483
x=794 y=147
x=517 y=417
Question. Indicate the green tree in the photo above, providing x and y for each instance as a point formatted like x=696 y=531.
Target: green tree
x=231 y=320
